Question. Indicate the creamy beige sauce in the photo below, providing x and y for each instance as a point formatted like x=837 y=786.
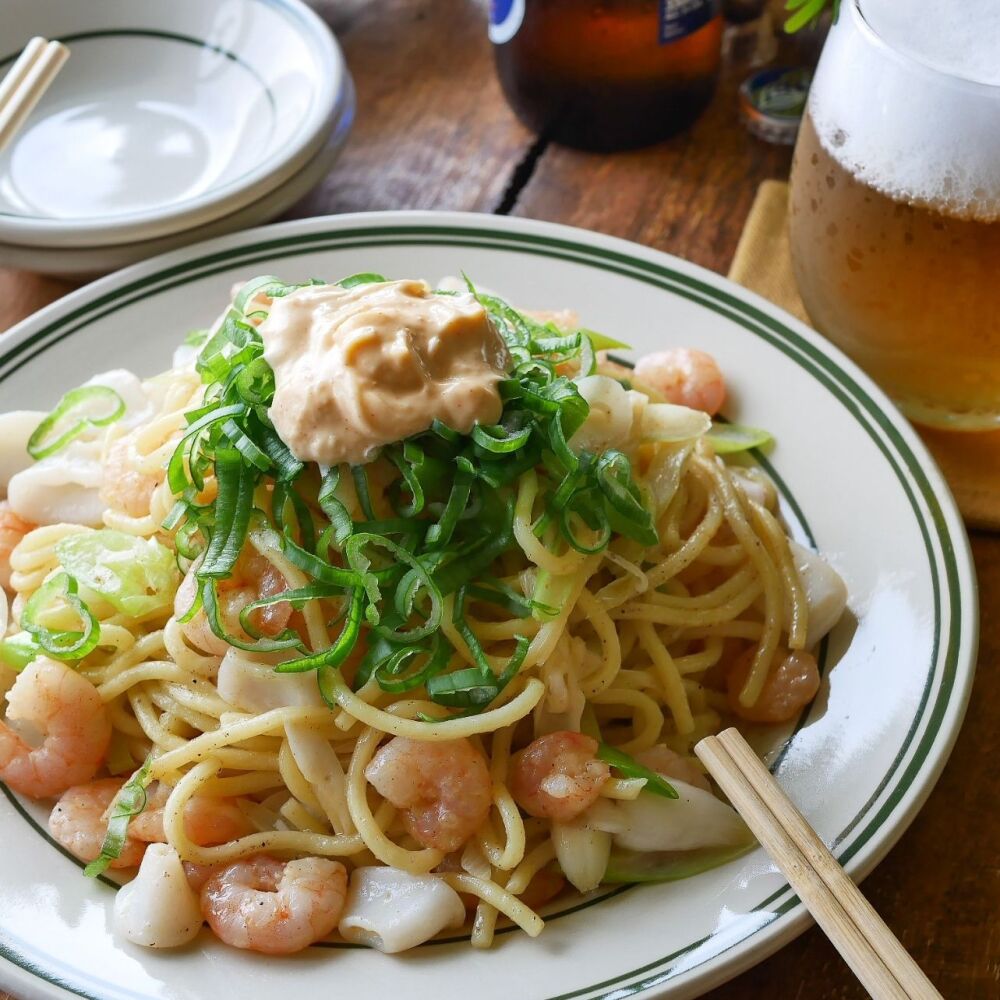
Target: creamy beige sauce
x=358 y=368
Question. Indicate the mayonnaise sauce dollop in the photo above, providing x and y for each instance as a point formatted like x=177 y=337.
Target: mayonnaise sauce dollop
x=357 y=368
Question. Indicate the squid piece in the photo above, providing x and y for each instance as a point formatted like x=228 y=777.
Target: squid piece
x=392 y=911
x=158 y=908
x=694 y=820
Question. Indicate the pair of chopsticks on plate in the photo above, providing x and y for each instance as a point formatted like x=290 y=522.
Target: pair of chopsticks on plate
x=872 y=951
x=30 y=76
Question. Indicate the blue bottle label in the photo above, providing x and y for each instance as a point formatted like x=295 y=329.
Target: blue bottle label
x=684 y=17
x=505 y=18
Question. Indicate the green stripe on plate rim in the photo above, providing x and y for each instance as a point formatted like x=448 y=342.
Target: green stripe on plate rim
x=853 y=397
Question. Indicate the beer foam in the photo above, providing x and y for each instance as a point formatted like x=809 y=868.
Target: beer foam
x=961 y=38
x=895 y=122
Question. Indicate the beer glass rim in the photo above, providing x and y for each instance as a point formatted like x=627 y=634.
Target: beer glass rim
x=874 y=37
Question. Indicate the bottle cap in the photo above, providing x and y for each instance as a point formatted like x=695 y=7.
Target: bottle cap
x=772 y=102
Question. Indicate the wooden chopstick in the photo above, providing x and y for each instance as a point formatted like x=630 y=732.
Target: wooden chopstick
x=872 y=951
x=25 y=83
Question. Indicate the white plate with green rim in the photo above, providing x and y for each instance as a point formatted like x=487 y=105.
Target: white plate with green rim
x=166 y=116
x=88 y=262
x=855 y=480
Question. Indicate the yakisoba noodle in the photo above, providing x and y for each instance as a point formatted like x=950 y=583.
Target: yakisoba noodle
x=499 y=728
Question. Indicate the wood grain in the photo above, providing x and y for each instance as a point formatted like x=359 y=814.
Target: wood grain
x=688 y=195
x=432 y=128
x=433 y=132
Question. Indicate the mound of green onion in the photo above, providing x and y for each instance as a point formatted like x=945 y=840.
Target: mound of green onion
x=453 y=507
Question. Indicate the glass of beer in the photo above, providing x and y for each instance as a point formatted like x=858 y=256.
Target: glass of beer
x=895 y=203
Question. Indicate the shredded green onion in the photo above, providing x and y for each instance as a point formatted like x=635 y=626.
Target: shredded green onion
x=452 y=507
x=631 y=768
x=728 y=438
x=209 y=595
x=75 y=408
x=668 y=866
x=129 y=802
x=365 y=278
x=18 y=650
x=66 y=644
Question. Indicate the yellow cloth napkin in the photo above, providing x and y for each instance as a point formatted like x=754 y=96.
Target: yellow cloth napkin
x=763 y=263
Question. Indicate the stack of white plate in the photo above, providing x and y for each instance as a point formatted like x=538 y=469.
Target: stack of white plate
x=170 y=123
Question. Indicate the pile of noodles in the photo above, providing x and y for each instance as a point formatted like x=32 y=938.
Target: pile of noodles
x=627 y=641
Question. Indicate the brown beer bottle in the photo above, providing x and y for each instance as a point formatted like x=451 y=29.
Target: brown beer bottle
x=607 y=74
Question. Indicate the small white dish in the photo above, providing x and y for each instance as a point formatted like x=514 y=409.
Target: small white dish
x=88 y=262
x=165 y=117
x=855 y=480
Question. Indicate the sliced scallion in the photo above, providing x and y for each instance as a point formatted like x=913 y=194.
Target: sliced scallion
x=631 y=768
x=129 y=802
x=77 y=409
x=61 y=644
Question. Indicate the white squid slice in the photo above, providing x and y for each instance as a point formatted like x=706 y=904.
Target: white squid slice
x=15 y=429
x=321 y=767
x=61 y=488
x=650 y=823
x=252 y=685
x=392 y=911
x=826 y=592
x=138 y=408
x=158 y=908
x=65 y=487
x=756 y=486
x=670 y=422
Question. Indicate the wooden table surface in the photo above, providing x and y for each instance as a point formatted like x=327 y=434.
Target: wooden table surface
x=433 y=131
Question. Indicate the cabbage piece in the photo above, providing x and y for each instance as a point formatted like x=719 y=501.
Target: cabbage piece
x=582 y=854
x=610 y=417
x=137 y=576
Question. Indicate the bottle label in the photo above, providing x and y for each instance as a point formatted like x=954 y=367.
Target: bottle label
x=505 y=18
x=683 y=17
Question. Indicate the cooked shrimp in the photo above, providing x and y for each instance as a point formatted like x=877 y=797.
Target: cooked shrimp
x=207 y=821
x=557 y=776
x=544 y=886
x=685 y=376
x=12 y=529
x=253 y=577
x=663 y=760
x=273 y=906
x=789 y=687
x=198 y=875
x=51 y=697
x=444 y=789
x=123 y=487
x=79 y=823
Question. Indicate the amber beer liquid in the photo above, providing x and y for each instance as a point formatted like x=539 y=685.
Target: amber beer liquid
x=895 y=205
x=911 y=292
x=607 y=74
